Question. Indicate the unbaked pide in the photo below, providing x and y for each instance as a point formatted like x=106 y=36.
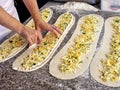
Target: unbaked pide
x=35 y=58
x=74 y=58
x=105 y=67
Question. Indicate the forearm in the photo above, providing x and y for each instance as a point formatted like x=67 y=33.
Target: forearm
x=33 y=9
x=9 y=21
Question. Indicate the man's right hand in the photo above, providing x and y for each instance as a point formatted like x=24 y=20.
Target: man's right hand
x=29 y=34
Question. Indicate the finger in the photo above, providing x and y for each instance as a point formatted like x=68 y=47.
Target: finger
x=57 y=29
x=30 y=41
x=32 y=37
x=39 y=37
x=35 y=37
x=55 y=32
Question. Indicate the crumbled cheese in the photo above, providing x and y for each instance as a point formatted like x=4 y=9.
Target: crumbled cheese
x=73 y=58
x=41 y=52
x=111 y=65
x=10 y=46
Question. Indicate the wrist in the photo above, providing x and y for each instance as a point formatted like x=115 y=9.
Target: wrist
x=20 y=29
x=37 y=19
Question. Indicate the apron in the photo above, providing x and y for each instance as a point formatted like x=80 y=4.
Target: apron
x=8 y=6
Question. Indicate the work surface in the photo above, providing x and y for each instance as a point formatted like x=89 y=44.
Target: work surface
x=41 y=79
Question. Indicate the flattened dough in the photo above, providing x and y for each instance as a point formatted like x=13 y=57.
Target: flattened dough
x=12 y=49
x=17 y=63
x=96 y=64
x=56 y=61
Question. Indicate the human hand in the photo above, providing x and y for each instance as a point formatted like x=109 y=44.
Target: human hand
x=42 y=25
x=29 y=34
